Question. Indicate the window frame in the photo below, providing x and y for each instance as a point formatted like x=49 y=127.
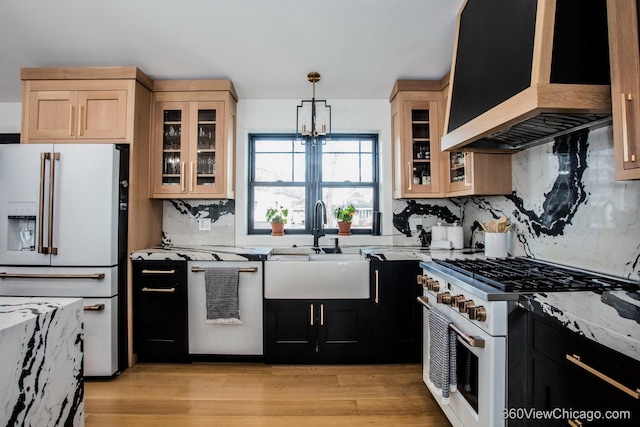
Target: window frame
x=312 y=185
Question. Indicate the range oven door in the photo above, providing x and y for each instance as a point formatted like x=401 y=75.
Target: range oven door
x=480 y=397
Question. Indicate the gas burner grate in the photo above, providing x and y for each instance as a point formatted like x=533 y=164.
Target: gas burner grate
x=527 y=275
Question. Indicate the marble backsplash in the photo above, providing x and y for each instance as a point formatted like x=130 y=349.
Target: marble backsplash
x=566 y=207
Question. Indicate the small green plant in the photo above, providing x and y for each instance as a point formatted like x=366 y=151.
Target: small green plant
x=277 y=215
x=345 y=214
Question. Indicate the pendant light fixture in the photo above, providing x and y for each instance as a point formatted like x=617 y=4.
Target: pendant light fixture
x=313 y=117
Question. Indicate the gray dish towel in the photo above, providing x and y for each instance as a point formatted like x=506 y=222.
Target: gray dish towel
x=442 y=354
x=221 y=290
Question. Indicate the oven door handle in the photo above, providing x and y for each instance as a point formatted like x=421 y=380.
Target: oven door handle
x=470 y=340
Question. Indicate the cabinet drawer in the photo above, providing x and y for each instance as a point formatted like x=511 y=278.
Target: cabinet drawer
x=580 y=373
x=160 y=311
x=146 y=272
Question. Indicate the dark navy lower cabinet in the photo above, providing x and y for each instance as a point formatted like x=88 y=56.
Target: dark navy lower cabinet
x=315 y=331
x=160 y=322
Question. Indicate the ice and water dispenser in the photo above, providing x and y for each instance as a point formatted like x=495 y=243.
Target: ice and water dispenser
x=22 y=226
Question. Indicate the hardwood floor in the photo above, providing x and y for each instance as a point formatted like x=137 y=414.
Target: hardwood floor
x=210 y=394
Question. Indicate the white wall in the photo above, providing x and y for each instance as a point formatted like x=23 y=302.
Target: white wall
x=10 y=115
x=257 y=115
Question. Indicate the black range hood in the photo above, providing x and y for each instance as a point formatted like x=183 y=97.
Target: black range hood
x=525 y=72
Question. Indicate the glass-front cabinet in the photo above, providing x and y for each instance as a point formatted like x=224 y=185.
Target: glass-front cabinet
x=415 y=128
x=468 y=173
x=194 y=153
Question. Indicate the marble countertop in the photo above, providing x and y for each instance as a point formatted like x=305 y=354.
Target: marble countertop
x=232 y=253
x=611 y=318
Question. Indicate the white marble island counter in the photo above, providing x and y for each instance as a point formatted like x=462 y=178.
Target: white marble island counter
x=41 y=352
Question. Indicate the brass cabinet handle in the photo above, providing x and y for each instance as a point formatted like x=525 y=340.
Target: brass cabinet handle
x=575 y=359
x=82 y=122
x=321 y=314
x=311 y=317
x=182 y=183
x=410 y=174
x=95 y=307
x=71 y=115
x=159 y=290
x=467 y=170
x=146 y=271
x=377 y=299
x=626 y=154
x=191 y=177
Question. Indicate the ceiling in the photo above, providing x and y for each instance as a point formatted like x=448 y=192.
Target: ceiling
x=360 y=47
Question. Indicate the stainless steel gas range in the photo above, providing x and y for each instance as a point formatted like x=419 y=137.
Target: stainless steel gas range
x=475 y=298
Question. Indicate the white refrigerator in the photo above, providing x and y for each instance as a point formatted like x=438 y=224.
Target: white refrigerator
x=63 y=234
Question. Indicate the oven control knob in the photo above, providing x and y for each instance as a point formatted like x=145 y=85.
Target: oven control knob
x=466 y=306
x=456 y=300
x=421 y=280
x=434 y=286
x=444 y=298
x=478 y=313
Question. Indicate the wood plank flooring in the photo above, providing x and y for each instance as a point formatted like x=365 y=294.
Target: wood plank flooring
x=238 y=395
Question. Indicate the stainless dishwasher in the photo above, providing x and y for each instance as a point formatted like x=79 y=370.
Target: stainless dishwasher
x=214 y=339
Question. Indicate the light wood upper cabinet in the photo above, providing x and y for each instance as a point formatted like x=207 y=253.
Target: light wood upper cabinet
x=80 y=105
x=420 y=168
x=477 y=174
x=624 y=57
x=415 y=130
x=194 y=125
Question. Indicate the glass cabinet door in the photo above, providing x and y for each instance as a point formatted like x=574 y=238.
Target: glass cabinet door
x=206 y=152
x=457 y=166
x=172 y=147
x=421 y=147
x=206 y=147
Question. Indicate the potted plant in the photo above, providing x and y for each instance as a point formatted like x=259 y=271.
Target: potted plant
x=277 y=217
x=344 y=215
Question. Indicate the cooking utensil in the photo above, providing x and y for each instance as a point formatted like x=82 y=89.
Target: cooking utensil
x=484 y=227
x=502 y=223
x=493 y=226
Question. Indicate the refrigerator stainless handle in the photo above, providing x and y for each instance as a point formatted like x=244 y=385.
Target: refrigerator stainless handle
x=5 y=275
x=94 y=307
x=52 y=183
x=43 y=163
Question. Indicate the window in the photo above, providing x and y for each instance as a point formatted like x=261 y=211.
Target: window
x=284 y=172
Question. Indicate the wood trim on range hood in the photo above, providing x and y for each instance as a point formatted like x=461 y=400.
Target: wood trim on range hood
x=537 y=113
